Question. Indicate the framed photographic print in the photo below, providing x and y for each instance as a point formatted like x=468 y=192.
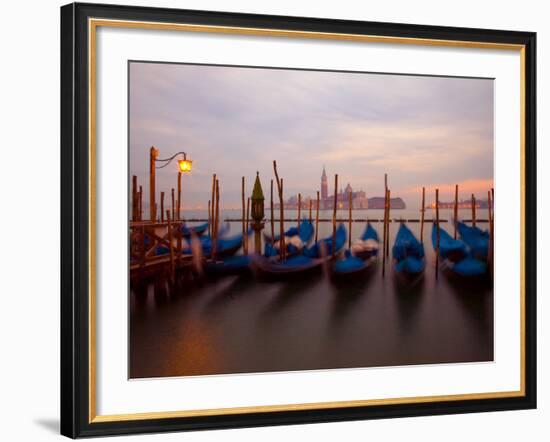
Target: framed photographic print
x=272 y=220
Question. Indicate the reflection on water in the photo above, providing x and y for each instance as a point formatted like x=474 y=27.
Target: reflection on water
x=237 y=325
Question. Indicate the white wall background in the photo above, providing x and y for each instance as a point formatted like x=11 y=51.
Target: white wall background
x=29 y=183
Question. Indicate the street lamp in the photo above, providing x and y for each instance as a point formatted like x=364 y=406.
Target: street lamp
x=183 y=164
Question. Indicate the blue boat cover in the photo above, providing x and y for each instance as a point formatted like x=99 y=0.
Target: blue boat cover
x=369 y=233
x=476 y=239
x=315 y=250
x=295 y=262
x=406 y=245
x=410 y=264
x=229 y=263
x=198 y=229
x=470 y=267
x=408 y=251
x=270 y=250
x=223 y=244
x=349 y=264
x=305 y=233
x=223 y=230
x=448 y=246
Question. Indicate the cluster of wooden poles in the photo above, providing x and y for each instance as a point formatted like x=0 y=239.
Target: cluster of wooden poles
x=280 y=191
x=174 y=214
x=490 y=202
x=280 y=186
x=214 y=215
x=137 y=203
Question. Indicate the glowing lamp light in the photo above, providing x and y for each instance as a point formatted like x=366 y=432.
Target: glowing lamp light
x=185 y=165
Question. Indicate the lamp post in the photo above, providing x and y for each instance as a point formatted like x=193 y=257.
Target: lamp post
x=257 y=213
x=184 y=166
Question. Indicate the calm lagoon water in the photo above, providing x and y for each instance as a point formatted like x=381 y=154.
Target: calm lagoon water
x=238 y=325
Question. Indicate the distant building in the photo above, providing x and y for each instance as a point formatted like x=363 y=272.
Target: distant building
x=359 y=199
x=377 y=202
x=462 y=204
x=324 y=186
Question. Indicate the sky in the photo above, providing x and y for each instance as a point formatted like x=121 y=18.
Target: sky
x=233 y=121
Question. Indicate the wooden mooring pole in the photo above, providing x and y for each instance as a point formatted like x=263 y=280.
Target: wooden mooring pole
x=140 y=209
x=384 y=233
x=173 y=205
x=456 y=211
x=388 y=223
x=213 y=199
x=216 y=220
x=209 y=220
x=161 y=207
x=134 y=198
x=281 y=212
x=350 y=204
x=492 y=227
x=491 y=242
x=473 y=210
x=282 y=240
x=245 y=248
x=317 y=218
x=272 y=216
x=437 y=233
x=179 y=243
x=153 y=154
x=310 y=207
x=422 y=211
x=178 y=215
x=299 y=210
x=335 y=208
x=245 y=238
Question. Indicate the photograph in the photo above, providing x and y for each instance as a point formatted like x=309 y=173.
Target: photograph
x=286 y=219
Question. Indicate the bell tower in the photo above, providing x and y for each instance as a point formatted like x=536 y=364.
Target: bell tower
x=324 y=185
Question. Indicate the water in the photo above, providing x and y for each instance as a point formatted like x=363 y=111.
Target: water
x=238 y=325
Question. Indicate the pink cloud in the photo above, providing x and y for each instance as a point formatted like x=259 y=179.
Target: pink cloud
x=479 y=187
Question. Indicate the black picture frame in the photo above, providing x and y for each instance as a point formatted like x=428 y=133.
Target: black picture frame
x=75 y=220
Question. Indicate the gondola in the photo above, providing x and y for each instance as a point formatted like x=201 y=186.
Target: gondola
x=351 y=268
x=323 y=247
x=201 y=228
x=293 y=247
x=223 y=230
x=455 y=256
x=357 y=261
x=295 y=267
x=476 y=239
x=295 y=240
x=311 y=260
x=449 y=248
x=225 y=246
x=408 y=254
x=305 y=233
x=229 y=265
x=368 y=244
x=198 y=230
